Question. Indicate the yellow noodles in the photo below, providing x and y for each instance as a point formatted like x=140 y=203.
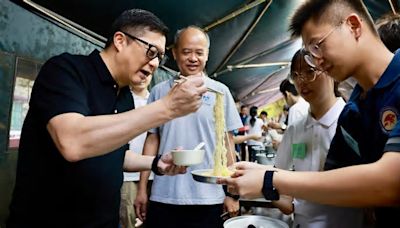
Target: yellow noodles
x=220 y=158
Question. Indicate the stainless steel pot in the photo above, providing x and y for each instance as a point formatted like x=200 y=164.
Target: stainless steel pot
x=265 y=159
x=254 y=221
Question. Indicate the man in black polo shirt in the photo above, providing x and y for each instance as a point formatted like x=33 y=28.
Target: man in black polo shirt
x=74 y=138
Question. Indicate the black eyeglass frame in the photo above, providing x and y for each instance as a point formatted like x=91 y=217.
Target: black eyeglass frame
x=151 y=54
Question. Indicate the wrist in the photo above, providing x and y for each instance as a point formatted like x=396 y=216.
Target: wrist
x=154 y=165
x=268 y=189
x=228 y=194
x=170 y=114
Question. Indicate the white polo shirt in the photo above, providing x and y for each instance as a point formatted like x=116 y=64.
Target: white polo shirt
x=298 y=111
x=137 y=143
x=315 y=136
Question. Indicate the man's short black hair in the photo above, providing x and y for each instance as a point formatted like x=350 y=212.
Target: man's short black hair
x=388 y=27
x=329 y=12
x=135 y=21
x=263 y=113
x=286 y=86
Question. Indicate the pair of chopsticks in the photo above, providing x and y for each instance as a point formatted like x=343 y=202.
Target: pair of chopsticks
x=182 y=79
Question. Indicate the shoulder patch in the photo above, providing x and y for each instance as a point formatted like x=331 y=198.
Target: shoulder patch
x=388 y=118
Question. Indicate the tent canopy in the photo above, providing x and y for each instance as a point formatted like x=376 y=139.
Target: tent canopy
x=250 y=45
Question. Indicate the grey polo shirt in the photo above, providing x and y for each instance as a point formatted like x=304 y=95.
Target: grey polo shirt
x=187 y=132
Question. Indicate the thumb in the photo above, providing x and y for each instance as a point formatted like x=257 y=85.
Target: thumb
x=166 y=158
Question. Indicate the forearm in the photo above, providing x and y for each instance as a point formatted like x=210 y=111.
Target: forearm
x=144 y=180
x=284 y=204
x=375 y=184
x=82 y=137
x=230 y=146
x=150 y=148
x=136 y=162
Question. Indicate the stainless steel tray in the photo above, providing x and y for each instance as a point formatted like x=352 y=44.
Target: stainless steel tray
x=200 y=176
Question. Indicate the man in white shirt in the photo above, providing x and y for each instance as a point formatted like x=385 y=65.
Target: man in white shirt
x=140 y=94
x=298 y=106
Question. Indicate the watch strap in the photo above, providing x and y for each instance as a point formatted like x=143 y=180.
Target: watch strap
x=268 y=189
x=154 y=166
x=235 y=197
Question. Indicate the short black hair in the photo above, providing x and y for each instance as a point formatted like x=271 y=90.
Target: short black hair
x=264 y=113
x=136 y=20
x=388 y=27
x=287 y=86
x=328 y=11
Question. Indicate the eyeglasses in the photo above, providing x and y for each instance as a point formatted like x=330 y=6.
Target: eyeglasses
x=306 y=77
x=315 y=48
x=152 y=51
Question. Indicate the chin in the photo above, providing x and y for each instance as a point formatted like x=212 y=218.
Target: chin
x=191 y=72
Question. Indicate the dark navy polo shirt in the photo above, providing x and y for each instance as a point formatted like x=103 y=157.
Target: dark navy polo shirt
x=50 y=191
x=368 y=127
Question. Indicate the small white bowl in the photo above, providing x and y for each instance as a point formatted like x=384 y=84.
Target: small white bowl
x=187 y=157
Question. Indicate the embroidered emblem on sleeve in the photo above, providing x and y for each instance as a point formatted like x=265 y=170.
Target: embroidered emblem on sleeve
x=388 y=118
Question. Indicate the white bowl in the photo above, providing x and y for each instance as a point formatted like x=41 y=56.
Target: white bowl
x=187 y=157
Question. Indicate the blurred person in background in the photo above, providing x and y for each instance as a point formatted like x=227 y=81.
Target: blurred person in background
x=388 y=27
x=255 y=128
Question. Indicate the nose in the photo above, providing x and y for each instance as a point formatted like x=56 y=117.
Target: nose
x=154 y=63
x=319 y=62
x=192 y=57
x=301 y=81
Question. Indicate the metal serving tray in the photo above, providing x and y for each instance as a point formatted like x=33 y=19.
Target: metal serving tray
x=200 y=176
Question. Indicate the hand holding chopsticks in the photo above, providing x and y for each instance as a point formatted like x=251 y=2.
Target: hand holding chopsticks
x=183 y=79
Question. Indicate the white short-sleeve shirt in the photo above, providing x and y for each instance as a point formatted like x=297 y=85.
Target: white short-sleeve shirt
x=317 y=136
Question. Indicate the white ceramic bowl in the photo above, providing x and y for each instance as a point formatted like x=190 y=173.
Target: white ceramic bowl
x=187 y=157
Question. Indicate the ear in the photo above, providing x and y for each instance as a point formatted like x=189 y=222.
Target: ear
x=119 y=40
x=355 y=23
x=174 y=54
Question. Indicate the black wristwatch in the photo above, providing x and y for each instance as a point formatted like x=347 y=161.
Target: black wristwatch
x=154 y=166
x=268 y=189
x=235 y=197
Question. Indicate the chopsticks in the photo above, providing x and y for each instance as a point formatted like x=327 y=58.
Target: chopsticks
x=183 y=79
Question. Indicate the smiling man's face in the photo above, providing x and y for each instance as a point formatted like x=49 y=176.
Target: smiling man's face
x=191 y=52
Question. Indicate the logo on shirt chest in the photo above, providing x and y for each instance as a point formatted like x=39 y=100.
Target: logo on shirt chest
x=388 y=118
x=208 y=99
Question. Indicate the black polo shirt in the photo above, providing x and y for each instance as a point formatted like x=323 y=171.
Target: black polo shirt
x=50 y=191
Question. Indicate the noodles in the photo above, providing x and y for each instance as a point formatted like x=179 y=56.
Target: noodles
x=220 y=152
